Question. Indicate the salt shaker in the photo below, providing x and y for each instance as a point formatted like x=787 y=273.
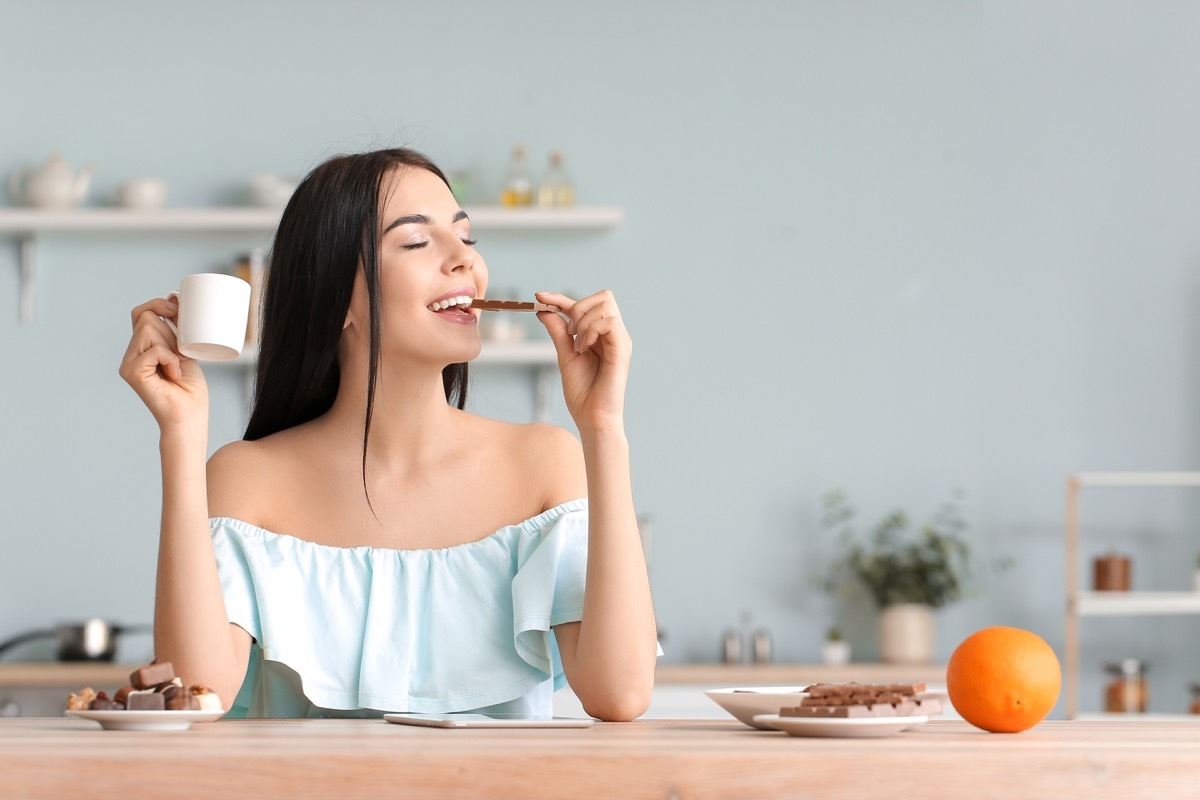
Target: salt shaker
x=761 y=646
x=731 y=647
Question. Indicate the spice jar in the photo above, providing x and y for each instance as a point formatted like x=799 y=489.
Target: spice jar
x=1126 y=693
x=1110 y=573
x=1195 y=709
x=249 y=268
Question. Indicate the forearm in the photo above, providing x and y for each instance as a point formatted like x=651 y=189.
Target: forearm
x=617 y=644
x=191 y=628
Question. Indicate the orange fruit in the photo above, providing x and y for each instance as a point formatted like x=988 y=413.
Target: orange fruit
x=1003 y=680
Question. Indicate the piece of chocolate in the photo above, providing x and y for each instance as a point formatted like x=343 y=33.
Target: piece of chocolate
x=905 y=708
x=511 y=305
x=149 y=676
x=146 y=701
x=860 y=689
x=849 y=712
x=181 y=700
x=854 y=699
x=122 y=695
x=103 y=703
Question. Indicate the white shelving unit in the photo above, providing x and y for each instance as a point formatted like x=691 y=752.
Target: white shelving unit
x=1085 y=603
x=26 y=226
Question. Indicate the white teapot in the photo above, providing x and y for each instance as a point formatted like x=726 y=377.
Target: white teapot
x=53 y=185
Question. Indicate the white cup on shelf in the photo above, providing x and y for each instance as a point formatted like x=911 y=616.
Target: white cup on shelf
x=143 y=194
x=213 y=312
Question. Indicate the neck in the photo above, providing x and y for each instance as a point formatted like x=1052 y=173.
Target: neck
x=410 y=419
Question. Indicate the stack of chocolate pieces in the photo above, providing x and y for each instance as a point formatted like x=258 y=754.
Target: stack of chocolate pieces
x=154 y=687
x=864 y=700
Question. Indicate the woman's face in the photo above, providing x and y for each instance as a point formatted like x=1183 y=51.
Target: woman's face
x=426 y=258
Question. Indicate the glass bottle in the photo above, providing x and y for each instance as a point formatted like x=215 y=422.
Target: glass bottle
x=518 y=190
x=555 y=188
x=1195 y=709
x=1126 y=693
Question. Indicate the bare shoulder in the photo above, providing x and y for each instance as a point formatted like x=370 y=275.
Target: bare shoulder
x=235 y=471
x=548 y=459
x=554 y=458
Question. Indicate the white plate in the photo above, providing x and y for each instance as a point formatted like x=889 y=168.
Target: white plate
x=749 y=701
x=147 y=720
x=841 y=727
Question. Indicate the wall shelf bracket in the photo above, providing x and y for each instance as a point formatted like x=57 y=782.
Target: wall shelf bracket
x=27 y=264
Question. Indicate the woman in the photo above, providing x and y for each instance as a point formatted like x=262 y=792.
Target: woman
x=370 y=546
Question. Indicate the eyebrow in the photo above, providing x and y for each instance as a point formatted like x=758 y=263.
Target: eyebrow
x=421 y=219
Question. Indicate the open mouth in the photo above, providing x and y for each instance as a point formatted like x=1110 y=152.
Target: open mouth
x=454 y=306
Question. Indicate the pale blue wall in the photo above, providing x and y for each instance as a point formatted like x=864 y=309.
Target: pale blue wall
x=892 y=247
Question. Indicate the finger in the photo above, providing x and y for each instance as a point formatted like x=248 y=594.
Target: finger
x=157 y=359
x=556 y=326
x=593 y=331
x=152 y=325
x=588 y=305
x=160 y=306
x=602 y=320
x=563 y=302
x=150 y=334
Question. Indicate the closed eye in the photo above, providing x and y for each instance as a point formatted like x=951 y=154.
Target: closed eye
x=419 y=245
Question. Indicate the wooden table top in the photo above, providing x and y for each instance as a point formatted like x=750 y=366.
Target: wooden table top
x=66 y=757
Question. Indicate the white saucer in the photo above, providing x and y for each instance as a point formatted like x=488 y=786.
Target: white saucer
x=840 y=727
x=147 y=720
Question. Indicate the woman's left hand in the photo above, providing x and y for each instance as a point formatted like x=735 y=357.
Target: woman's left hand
x=593 y=355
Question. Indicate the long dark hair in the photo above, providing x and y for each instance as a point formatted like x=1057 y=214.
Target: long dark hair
x=330 y=226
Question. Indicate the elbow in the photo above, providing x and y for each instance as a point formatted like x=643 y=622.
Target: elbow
x=618 y=704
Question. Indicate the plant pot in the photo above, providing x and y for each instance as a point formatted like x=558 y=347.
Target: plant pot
x=906 y=634
x=835 y=653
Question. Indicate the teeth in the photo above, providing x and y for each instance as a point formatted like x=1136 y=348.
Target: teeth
x=442 y=305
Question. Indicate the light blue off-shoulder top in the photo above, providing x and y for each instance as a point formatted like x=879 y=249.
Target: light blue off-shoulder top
x=359 y=631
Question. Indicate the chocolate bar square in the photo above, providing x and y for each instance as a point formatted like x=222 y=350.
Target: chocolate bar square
x=146 y=701
x=152 y=675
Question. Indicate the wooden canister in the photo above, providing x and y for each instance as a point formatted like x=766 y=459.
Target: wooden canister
x=1110 y=573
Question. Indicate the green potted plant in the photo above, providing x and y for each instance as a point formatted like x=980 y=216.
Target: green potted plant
x=835 y=650
x=907 y=571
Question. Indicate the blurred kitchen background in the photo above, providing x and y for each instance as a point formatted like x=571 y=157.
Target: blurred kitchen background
x=899 y=249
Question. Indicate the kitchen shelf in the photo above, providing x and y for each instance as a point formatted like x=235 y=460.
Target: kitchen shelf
x=1137 y=603
x=251 y=218
x=76 y=674
x=519 y=353
x=728 y=675
x=103 y=675
x=1080 y=603
x=1138 y=717
x=26 y=225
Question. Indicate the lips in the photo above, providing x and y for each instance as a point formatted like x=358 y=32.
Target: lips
x=454 y=306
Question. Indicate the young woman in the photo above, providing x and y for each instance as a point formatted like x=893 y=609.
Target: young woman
x=370 y=546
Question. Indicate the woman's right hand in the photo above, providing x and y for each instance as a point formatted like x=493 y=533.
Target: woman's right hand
x=171 y=385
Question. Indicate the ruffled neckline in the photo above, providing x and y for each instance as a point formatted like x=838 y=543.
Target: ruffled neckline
x=534 y=523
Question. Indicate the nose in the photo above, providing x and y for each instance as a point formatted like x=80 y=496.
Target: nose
x=461 y=257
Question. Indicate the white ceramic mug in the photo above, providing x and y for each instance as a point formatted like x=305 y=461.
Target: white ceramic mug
x=143 y=194
x=213 y=311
